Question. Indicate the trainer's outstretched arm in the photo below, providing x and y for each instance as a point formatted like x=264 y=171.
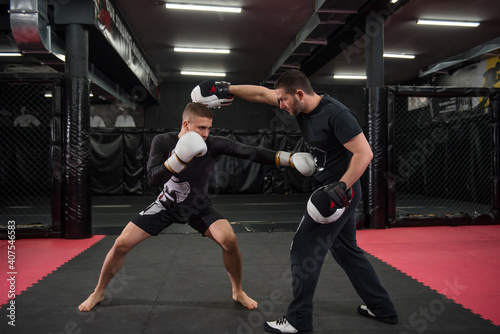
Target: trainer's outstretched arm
x=254 y=93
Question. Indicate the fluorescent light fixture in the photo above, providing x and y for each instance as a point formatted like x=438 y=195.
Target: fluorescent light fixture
x=211 y=74
x=203 y=8
x=49 y=94
x=448 y=23
x=197 y=50
x=398 y=55
x=346 y=76
x=10 y=54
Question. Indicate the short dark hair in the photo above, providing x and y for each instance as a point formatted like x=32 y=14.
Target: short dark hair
x=195 y=109
x=292 y=80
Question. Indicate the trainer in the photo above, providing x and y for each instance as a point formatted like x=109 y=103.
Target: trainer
x=341 y=153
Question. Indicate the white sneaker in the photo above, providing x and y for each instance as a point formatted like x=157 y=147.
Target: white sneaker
x=280 y=326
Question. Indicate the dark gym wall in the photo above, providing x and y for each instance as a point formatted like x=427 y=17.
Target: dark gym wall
x=241 y=114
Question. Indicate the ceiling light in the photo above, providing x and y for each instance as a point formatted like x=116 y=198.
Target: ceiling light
x=449 y=23
x=176 y=49
x=394 y=1
x=10 y=54
x=345 y=76
x=49 y=94
x=203 y=8
x=212 y=74
x=398 y=55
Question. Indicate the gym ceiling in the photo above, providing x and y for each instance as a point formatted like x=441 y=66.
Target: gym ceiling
x=321 y=38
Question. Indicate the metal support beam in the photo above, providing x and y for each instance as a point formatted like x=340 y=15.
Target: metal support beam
x=374 y=51
x=337 y=11
x=311 y=24
x=349 y=33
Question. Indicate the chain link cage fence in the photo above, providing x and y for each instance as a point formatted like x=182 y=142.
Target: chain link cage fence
x=442 y=156
x=25 y=166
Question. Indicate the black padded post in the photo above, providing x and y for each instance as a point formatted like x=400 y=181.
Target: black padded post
x=76 y=206
x=375 y=185
x=495 y=143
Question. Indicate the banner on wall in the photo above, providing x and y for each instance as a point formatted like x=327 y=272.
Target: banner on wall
x=108 y=20
x=491 y=76
x=492 y=73
x=485 y=73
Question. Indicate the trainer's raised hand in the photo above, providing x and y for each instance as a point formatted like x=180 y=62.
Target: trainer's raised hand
x=212 y=93
x=189 y=145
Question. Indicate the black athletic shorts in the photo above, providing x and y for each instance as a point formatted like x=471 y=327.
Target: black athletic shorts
x=157 y=217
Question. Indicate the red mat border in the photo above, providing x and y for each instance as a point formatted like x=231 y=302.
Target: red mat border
x=35 y=259
x=450 y=260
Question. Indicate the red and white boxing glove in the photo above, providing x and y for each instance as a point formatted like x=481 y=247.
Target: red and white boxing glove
x=213 y=94
x=301 y=161
x=329 y=202
x=190 y=145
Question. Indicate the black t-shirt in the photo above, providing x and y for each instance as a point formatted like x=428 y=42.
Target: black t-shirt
x=191 y=185
x=325 y=130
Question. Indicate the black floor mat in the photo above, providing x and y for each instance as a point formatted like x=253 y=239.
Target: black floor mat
x=176 y=283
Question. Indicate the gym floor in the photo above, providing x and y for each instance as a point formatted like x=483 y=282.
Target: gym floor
x=176 y=282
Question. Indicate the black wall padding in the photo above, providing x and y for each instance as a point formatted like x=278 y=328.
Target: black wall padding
x=107 y=163
x=246 y=176
x=133 y=163
x=119 y=161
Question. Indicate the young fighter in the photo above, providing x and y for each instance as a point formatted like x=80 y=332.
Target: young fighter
x=181 y=163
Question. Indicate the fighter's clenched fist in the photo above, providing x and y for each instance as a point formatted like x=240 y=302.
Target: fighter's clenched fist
x=189 y=145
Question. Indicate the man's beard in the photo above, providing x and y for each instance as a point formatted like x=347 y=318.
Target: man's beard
x=296 y=108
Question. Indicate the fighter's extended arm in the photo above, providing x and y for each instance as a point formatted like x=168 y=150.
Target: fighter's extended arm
x=301 y=161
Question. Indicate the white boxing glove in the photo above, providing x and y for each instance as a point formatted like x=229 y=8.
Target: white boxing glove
x=301 y=161
x=190 y=145
x=213 y=94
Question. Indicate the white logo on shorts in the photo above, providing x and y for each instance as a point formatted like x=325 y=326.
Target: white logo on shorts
x=176 y=191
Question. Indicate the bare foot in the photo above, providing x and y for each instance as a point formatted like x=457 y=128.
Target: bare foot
x=242 y=298
x=92 y=301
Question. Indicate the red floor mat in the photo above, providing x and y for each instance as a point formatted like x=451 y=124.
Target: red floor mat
x=33 y=259
x=462 y=263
